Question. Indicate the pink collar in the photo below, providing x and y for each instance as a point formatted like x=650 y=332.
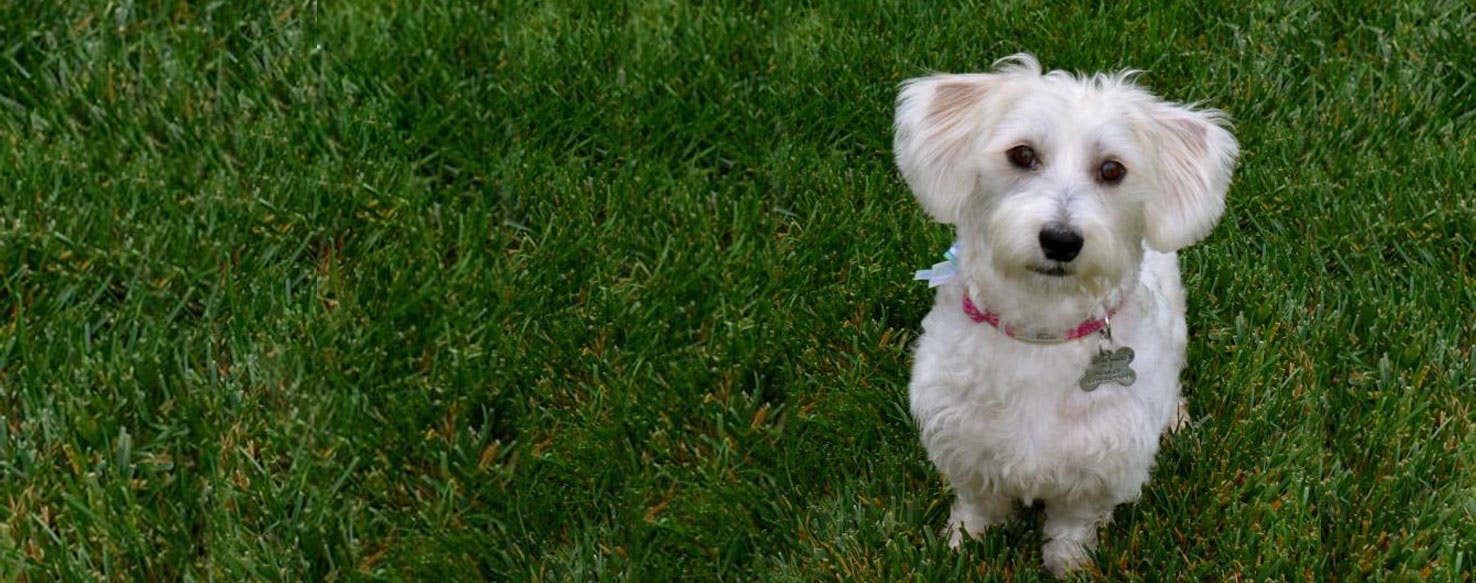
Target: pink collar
x=1037 y=335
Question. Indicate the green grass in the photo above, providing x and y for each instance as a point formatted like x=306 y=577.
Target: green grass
x=506 y=290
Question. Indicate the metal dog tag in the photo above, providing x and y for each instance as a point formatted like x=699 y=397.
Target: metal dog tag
x=1109 y=366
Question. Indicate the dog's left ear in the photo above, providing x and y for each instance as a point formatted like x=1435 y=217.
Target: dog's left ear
x=1193 y=155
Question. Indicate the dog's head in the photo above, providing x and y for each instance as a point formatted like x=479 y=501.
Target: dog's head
x=1056 y=178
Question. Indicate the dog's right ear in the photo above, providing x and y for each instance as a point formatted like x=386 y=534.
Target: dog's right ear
x=939 y=122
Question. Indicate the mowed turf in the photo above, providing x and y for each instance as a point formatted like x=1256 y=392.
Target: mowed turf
x=559 y=291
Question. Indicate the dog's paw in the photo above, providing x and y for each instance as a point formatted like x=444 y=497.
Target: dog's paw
x=1181 y=417
x=956 y=535
x=958 y=529
x=973 y=515
x=1063 y=557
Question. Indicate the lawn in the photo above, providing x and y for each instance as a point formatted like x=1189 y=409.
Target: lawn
x=549 y=291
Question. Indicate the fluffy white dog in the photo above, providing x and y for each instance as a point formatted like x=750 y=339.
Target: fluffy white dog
x=1049 y=365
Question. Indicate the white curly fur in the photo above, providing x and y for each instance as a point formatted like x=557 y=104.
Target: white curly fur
x=1005 y=421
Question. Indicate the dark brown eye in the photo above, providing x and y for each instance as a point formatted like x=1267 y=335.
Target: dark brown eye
x=1112 y=171
x=1022 y=157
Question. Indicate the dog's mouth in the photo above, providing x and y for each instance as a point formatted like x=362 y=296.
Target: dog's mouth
x=1052 y=270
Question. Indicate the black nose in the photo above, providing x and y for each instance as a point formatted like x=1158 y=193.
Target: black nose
x=1060 y=243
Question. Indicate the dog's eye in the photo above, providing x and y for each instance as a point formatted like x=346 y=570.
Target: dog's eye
x=1022 y=157
x=1112 y=171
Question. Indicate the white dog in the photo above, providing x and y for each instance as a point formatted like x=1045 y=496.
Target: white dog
x=1049 y=364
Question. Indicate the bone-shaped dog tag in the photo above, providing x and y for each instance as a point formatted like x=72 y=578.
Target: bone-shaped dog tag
x=1109 y=366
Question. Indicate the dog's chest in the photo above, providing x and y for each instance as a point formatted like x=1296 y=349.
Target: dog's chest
x=1017 y=411
x=1038 y=393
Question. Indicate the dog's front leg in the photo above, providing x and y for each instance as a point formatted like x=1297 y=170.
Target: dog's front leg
x=974 y=512
x=1071 y=533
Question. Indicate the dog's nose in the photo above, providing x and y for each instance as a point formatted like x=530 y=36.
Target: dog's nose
x=1060 y=243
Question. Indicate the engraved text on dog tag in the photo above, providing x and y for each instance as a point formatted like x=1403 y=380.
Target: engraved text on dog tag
x=1109 y=366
